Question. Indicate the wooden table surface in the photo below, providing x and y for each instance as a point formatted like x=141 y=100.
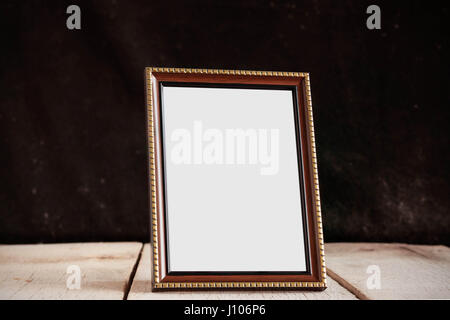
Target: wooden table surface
x=121 y=270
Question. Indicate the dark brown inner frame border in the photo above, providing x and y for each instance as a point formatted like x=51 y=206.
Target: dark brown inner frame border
x=304 y=153
x=162 y=132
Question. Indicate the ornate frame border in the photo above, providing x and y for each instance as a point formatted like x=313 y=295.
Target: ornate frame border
x=157 y=285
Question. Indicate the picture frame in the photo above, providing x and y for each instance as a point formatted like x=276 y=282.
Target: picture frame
x=218 y=221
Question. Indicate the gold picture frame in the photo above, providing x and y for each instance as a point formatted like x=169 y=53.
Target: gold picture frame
x=161 y=279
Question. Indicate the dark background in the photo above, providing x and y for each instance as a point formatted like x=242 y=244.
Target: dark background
x=73 y=146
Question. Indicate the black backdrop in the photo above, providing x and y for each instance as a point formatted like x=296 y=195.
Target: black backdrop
x=72 y=114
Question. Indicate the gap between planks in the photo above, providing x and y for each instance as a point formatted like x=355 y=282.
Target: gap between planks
x=347 y=285
x=132 y=274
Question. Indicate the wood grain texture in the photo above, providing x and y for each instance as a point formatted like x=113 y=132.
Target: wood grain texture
x=407 y=271
x=141 y=289
x=39 y=271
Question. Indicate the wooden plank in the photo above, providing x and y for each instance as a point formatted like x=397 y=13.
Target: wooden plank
x=40 y=271
x=141 y=289
x=406 y=271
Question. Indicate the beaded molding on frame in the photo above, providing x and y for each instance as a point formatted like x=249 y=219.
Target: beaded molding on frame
x=155 y=245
